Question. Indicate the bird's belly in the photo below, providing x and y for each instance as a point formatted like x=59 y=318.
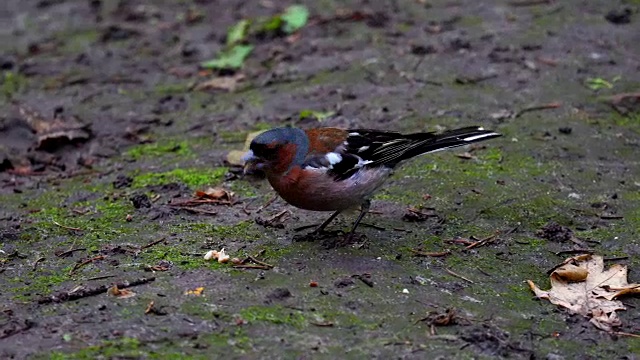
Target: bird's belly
x=320 y=192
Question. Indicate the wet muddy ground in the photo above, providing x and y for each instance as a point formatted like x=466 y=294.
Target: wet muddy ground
x=107 y=121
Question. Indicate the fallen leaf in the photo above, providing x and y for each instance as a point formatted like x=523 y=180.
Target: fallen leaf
x=121 y=293
x=295 y=17
x=572 y=272
x=52 y=132
x=238 y=32
x=582 y=285
x=197 y=291
x=318 y=115
x=625 y=103
x=215 y=194
x=231 y=58
x=228 y=83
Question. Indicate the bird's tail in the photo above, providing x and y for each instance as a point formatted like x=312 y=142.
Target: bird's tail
x=422 y=144
x=390 y=148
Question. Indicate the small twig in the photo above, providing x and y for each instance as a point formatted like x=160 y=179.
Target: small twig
x=251 y=266
x=327 y=324
x=69 y=252
x=365 y=278
x=484 y=272
x=458 y=276
x=35 y=263
x=482 y=242
x=304 y=227
x=511 y=231
x=149 y=307
x=446 y=337
x=463 y=80
x=260 y=262
x=553 y=105
x=198 y=211
x=100 y=277
x=460 y=241
x=615 y=258
x=75 y=295
x=197 y=202
x=373 y=226
x=430 y=254
x=66 y=227
x=88 y=261
x=153 y=243
x=269 y=202
x=622 y=333
x=278 y=216
x=611 y=217
x=529 y=2
x=575 y=251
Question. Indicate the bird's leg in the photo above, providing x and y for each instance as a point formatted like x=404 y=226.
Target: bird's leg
x=364 y=209
x=319 y=229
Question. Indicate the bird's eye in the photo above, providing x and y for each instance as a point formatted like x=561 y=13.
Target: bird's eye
x=264 y=151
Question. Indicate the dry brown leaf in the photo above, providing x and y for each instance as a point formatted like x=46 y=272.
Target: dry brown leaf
x=197 y=291
x=234 y=157
x=228 y=83
x=215 y=194
x=591 y=295
x=121 y=293
x=59 y=129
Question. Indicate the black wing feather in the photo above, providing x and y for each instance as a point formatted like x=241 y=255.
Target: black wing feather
x=390 y=148
x=372 y=148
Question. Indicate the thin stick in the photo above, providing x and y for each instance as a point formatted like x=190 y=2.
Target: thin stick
x=269 y=202
x=69 y=252
x=575 y=251
x=251 y=266
x=66 y=227
x=459 y=276
x=153 y=243
x=88 y=261
x=431 y=254
x=69 y=296
x=553 y=105
x=100 y=277
x=259 y=262
x=198 y=211
x=481 y=242
x=626 y=334
x=35 y=263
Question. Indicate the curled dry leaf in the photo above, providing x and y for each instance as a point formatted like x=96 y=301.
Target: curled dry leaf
x=227 y=83
x=215 y=194
x=572 y=272
x=121 y=293
x=197 y=291
x=582 y=285
x=52 y=132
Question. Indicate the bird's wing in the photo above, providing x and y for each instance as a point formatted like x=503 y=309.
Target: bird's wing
x=373 y=148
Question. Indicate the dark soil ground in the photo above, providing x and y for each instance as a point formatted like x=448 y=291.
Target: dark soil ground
x=103 y=125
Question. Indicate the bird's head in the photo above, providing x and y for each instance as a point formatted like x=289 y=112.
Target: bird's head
x=276 y=150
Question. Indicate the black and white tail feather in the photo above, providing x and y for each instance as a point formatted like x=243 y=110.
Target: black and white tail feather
x=371 y=148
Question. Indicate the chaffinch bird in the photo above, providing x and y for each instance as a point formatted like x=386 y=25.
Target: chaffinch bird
x=331 y=169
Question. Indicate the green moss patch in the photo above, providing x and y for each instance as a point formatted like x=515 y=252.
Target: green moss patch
x=192 y=177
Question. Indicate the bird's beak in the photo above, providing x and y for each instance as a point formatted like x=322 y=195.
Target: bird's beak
x=251 y=163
